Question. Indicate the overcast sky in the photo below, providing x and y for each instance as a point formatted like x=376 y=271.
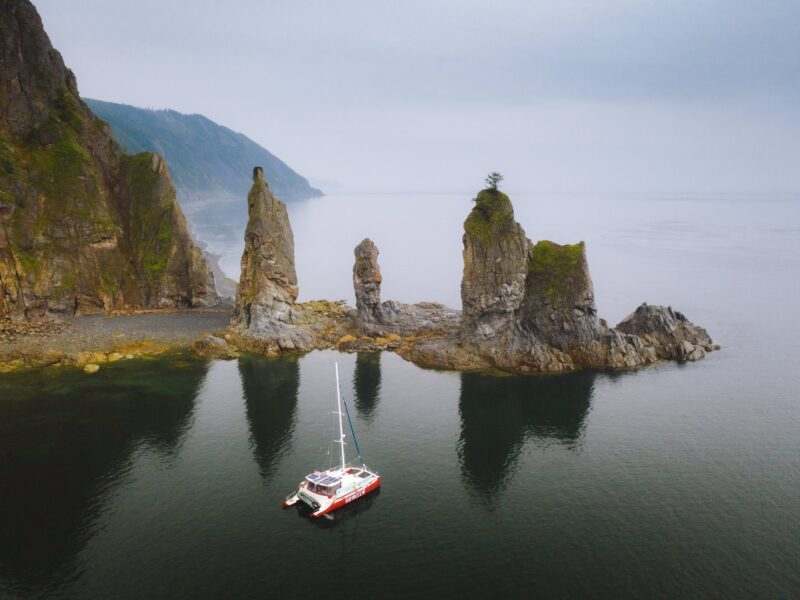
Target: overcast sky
x=646 y=96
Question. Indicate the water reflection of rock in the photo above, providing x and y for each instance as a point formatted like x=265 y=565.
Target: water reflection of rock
x=499 y=414
x=270 y=393
x=66 y=443
x=367 y=382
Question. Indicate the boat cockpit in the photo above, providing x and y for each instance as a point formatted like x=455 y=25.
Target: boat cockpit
x=323 y=483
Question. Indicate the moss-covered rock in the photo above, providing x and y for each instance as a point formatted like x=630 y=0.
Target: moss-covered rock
x=559 y=272
x=495 y=255
x=491 y=216
x=83 y=227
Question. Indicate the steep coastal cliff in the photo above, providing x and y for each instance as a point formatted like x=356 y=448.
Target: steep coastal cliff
x=83 y=227
x=527 y=308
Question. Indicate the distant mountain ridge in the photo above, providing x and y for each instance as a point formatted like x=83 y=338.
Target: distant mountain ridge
x=203 y=156
x=211 y=167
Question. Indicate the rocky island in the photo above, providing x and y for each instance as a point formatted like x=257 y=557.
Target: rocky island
x=526 y=307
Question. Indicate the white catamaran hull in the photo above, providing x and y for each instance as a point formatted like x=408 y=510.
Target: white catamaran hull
x=327 y=491
x=323 y=505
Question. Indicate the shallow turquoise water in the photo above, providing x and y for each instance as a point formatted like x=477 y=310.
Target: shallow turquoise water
x=163 y=478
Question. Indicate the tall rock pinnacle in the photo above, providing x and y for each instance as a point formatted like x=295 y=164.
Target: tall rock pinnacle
x=495 y=266
x=268 y=283
x=367 y=281
x=266 y=299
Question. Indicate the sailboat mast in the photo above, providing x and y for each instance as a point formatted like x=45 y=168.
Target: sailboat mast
x=339 y=406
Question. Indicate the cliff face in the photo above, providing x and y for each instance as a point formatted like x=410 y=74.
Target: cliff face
x=209 y=164
x=83 y=227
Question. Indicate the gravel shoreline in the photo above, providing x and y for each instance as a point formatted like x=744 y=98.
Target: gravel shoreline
x=104 y=333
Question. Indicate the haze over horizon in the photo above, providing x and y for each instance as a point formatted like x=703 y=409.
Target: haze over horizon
x=690 y=97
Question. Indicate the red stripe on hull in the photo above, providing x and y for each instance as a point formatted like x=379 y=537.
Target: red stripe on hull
x=352 y=496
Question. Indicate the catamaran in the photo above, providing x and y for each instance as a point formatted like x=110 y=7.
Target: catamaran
x=326 y=491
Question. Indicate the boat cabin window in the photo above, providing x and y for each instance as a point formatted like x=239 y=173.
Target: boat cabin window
x=322 y=483
x=327 y=490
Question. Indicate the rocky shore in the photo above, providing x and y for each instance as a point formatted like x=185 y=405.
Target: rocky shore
x=527 y=308
x=97 y=339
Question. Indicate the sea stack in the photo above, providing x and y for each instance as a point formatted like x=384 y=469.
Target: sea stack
x=373 y=317
x=495 y=267
x=266 y=299
x=367 y=282
x=527 y=308
x=531 y=308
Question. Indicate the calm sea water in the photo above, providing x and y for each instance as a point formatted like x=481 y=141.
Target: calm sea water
x=163 y=478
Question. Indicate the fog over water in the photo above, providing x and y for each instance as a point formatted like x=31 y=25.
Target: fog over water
x=678 y=97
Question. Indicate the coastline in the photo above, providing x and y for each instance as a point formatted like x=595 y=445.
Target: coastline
x=96 y=339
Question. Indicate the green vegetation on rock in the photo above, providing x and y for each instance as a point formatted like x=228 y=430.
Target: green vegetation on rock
x=7 y=166
x=555 y=267
x=150 y=214
x=84 y=227
x=492 y=214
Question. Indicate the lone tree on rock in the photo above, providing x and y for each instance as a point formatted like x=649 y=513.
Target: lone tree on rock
x=493 y=179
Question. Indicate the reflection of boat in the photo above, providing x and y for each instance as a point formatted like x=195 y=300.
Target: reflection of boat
x=350 y=512
x=329 y=490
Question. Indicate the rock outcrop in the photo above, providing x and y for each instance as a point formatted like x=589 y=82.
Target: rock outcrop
x=83 y=227
x=373 y=317
x=495 y=268
x=266 y=300
x=530 y=308
x=225 y=286
x=668 y=332
x=527 y=308
x=367 y=282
